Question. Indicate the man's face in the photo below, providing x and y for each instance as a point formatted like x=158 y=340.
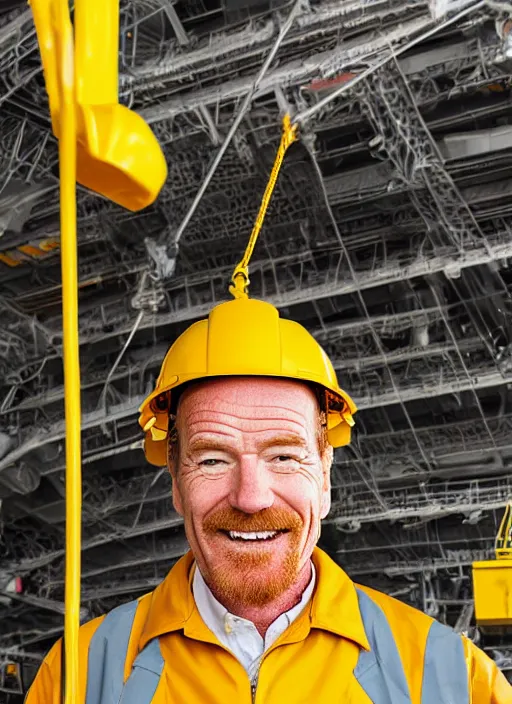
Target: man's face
x=251 y=483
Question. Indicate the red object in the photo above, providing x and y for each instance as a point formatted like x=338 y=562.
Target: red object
x=326 y=83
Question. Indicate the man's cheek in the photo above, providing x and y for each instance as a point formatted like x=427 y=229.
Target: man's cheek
x=306 y=488
x=202 y=494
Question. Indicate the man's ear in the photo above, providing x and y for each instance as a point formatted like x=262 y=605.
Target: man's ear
x=326 y=484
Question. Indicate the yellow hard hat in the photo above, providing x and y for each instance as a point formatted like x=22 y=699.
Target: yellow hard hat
x=243 y=337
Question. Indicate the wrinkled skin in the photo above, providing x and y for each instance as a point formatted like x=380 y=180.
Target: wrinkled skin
x=250 y=460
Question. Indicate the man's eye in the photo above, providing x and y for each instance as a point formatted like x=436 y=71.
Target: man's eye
x=287 y=464
x=213 y=467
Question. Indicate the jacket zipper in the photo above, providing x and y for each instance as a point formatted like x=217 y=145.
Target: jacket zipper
x=254 y=684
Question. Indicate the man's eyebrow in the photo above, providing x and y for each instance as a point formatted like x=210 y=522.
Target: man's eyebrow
x=290 y=440
x=207 y=444
x=284 y=441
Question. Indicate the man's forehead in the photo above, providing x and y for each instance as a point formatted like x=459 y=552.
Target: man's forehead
x=249 y=396
x=247 y=418
x=252 y=427
x=248 y=406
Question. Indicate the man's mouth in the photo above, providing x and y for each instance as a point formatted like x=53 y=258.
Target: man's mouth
x=253 y=535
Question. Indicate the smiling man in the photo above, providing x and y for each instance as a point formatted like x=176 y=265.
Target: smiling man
x=246 y=412
x=251 y=478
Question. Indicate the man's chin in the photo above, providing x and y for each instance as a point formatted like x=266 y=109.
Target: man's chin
x=253 y=577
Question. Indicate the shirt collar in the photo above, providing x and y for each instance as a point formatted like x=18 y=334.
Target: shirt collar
x=217 y=617
x=334 y=606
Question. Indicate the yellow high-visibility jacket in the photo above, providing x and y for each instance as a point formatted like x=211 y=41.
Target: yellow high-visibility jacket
x=351 y=645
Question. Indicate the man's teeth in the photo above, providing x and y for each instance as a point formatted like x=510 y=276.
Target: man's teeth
x=261 y=535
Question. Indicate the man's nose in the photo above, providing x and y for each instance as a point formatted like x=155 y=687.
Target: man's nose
x=251 y=491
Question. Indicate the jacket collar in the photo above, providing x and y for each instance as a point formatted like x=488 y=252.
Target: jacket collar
x=334 y=606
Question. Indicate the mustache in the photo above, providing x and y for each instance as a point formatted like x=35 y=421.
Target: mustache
x=269 y=519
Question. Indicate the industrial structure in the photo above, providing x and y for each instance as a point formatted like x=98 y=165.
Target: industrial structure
x=389 y=237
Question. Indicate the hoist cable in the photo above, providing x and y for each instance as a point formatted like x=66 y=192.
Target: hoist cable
x=240 y=278
x=63 y=33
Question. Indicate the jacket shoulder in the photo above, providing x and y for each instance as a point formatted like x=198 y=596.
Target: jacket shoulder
x=411 y=627
x=46 y=688
x=399 y=615
x=422 y=639
x=412 y=633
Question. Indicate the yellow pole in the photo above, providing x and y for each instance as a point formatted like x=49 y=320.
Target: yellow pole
x=67 y=161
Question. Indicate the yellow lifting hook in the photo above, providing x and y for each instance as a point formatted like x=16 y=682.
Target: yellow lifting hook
x=118 y=155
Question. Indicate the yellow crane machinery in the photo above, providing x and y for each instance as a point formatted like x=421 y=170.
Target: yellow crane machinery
x=118 y=155
x=492 y=582
x=112 y=151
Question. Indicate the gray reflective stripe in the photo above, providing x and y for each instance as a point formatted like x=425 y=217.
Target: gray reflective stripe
x=107 y=655
x=143 y=681
x=379 y=671
x=445 y=675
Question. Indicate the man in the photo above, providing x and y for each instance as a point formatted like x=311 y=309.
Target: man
x=246 y=412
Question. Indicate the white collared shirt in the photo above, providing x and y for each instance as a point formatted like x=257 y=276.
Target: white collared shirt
x=239 y=634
